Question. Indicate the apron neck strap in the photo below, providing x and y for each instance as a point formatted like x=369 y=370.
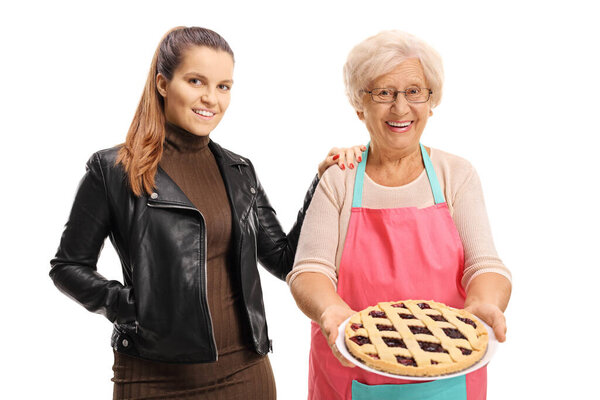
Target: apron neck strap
x=359 y=179
x=438 y=195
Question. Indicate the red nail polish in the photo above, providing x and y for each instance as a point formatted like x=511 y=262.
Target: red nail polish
x=336 y=157
x=359 y=158
x=351 y=166
x=343 y=167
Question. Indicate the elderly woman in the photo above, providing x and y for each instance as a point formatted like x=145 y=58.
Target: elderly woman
x=409 y=223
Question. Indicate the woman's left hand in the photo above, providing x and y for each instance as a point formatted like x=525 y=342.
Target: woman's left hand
x=491 y=315
x=343 y=157
x=330 y=321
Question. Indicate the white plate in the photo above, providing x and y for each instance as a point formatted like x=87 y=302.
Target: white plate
x=491 y=349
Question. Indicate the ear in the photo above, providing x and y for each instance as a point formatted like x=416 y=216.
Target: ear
x=361 y=115
x=161 y=84
x=430 y=112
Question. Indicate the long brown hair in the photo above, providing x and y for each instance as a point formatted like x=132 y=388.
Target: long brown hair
x=143 y=145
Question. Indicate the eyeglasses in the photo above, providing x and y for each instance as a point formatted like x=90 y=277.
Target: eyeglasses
x=412 y=94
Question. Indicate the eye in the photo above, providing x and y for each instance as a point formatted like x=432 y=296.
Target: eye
x=224 y=87
x=195 y=82
x=384 y=92
x=413 y=91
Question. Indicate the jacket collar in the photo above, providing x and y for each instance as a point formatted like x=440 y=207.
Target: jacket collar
x=225 y=157
x=166 y=190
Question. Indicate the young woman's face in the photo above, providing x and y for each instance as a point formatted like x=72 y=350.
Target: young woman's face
x=199 y=92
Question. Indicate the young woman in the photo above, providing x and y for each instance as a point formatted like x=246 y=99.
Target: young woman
x=189 y=220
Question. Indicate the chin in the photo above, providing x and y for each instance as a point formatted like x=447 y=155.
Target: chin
x=197 y=130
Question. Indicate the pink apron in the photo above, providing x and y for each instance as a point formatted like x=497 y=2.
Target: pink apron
x=395 y=254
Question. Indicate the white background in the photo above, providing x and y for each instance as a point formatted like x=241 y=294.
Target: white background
x=520 y=102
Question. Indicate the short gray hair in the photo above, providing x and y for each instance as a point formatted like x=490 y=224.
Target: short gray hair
x=380 y=54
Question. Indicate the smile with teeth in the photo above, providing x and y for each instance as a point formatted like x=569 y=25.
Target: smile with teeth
x=204 y=113
x=402 y=124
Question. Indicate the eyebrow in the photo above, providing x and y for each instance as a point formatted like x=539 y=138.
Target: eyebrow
x=413 y=83
x=230 y=81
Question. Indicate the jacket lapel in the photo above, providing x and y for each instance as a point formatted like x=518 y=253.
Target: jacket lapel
x=239 y=180
x=167 y=192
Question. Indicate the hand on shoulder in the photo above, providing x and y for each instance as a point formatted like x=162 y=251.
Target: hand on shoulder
x=346 y=157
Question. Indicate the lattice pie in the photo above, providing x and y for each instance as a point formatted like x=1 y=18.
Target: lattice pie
x=416 y=338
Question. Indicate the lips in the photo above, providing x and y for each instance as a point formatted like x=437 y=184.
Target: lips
x=203 y=113
x=399 y=126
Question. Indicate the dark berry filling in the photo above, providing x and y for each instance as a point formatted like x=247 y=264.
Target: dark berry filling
x=420 y=329
x=433 y=347
x=433 y=362
x=356 y=326
x=377 y=314
x=374 y=356
x=393 y=342
x=468 y=321
x=466 y=352
x=399 y=305
x=424 y=306
x=438 y=318
x=407 y=316
x=385 y=327
x=408 y=361
x=453 y=333
x=360 y=340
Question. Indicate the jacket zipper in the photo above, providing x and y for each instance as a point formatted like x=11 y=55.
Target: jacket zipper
x=202 y=270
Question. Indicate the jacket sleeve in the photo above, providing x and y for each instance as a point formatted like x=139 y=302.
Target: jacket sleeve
x=276 y=250
x=73 y=269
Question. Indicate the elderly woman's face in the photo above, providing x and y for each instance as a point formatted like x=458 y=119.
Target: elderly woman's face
x=398 y=125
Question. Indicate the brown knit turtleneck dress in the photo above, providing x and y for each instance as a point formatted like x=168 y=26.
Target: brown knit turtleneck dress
x=239 y=373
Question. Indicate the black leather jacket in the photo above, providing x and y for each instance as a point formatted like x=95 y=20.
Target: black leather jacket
x=161 y=311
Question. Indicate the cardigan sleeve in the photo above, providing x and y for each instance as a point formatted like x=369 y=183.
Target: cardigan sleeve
x=471 y=220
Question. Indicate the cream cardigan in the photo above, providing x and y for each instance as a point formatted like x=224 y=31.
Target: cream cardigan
x=326 y=222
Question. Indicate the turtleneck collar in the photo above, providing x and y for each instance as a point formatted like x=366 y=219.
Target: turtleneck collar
x=184 y=141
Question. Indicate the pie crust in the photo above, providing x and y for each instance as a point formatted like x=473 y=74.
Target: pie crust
x=416 y=338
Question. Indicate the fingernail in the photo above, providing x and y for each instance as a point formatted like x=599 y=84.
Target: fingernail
x=343 y=167
x=351 y=166
x=336 y=157
x=359 y=158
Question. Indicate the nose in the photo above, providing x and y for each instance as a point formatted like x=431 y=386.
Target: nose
x=209 y=97
x=401 y=104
